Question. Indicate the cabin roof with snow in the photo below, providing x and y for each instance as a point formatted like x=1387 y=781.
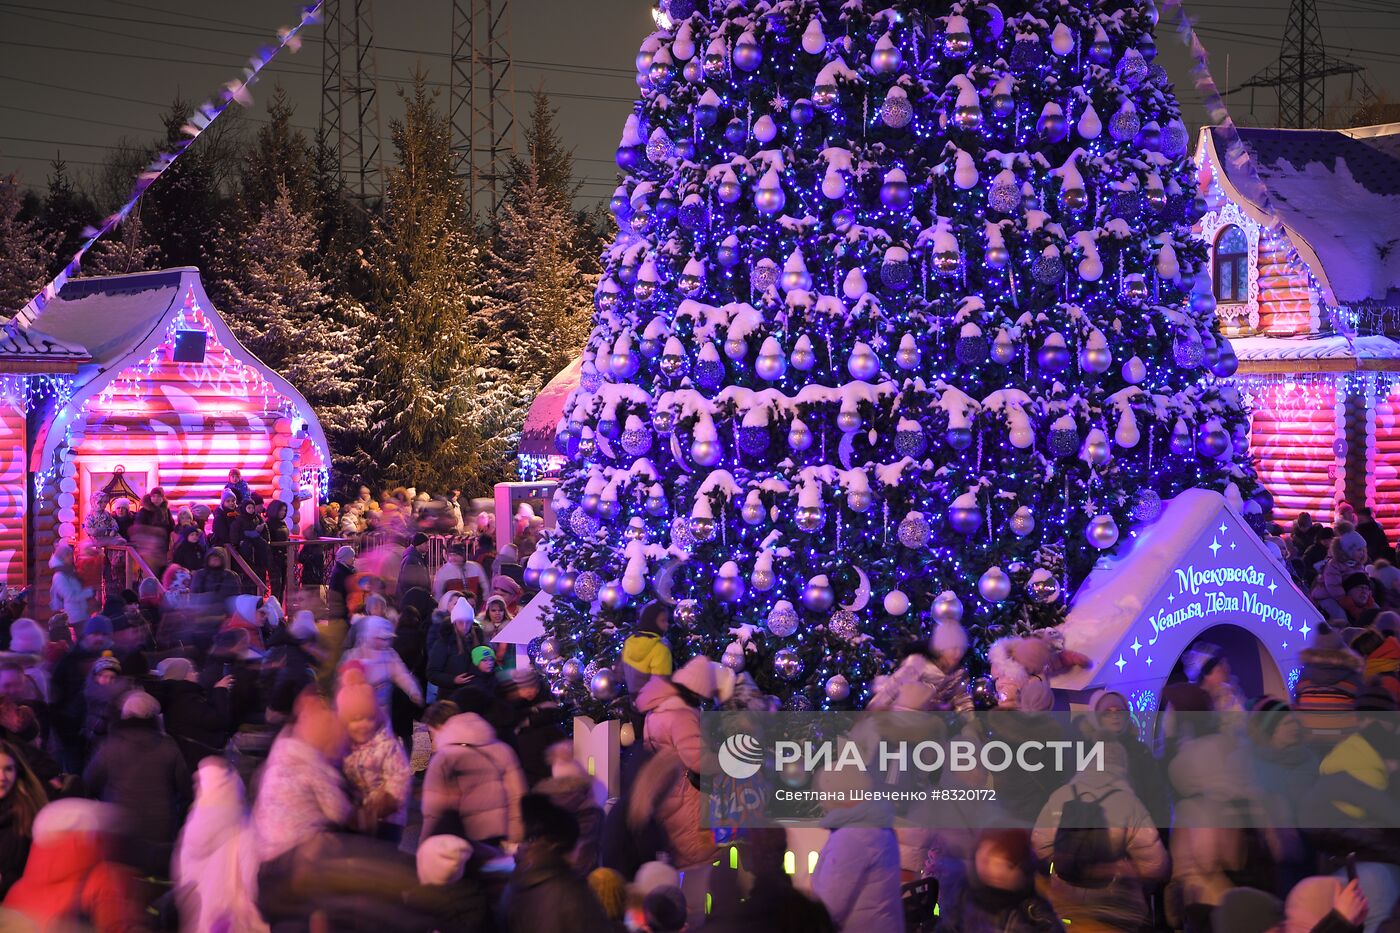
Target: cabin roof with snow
x=1336 y=196
x=96 y=327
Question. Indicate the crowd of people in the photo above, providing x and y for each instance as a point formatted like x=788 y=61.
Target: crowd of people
x=200 y=759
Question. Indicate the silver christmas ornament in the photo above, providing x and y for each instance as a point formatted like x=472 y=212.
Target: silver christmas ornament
x=844 y=625
x=1022 y=522
x=965 y=519
x=838 y=688
x=947 y=608
x=913 y=531
x=1043 y=588
x=810 y=518
x=604 y=685
x=573 y=671
x=1147 y=507
x=787 y=664
x=728 y=588
x=782 y=619
x=687 y=612
x=612 y=595
x=1102 y=531
x=817 y=594
x=994 y=585
x=587 y=585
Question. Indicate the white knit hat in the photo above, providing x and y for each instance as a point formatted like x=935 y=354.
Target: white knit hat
x=651 y=876
x=72 y=815
x=949 y=637
x=463 y=612
x=303 y=626
x=442 y=859
x=697 y=676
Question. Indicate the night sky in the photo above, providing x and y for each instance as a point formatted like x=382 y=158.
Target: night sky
x=78 y=75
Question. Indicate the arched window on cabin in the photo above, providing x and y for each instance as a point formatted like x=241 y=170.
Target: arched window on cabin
x=1231 y=264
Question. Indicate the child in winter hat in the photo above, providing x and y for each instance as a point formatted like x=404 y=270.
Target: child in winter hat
x=27 y=637
x=442 y=859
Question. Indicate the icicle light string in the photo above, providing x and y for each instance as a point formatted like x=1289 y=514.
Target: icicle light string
x=238 y=90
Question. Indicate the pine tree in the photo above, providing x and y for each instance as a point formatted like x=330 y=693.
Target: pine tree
x=66 y=214
x=279 y=158
x=27 y=250
x=425 y=267
x=280 y=309
x=899 y=330
x=537 y=317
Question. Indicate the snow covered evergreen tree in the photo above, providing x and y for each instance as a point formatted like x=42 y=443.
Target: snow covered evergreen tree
x=279 y=307
x=426 y=270
x=905 y=325
x=27 y=250
x=538 y=314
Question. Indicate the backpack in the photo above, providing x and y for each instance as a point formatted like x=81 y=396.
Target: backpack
x=1082 y=840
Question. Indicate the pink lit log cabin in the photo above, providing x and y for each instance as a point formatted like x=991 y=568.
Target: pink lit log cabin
x=138 y=371
x=1308 y=290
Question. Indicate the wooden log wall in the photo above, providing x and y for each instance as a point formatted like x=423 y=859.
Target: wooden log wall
x=1293 y=447
x=1285 y=305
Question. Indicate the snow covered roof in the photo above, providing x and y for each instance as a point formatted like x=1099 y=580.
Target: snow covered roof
x=1327 y=352
x=97 y=321
x=541 y=422
x=1336 y=194
x=1198 y=566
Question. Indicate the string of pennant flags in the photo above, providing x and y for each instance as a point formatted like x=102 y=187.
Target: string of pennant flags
x=1236 y=153
x=237 y=91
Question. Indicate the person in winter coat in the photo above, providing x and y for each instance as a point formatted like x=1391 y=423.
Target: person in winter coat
x=450 y=664
x=1346 y=555
x=1382 y=661
x=672 y=730
x=569 y=787
x=199 y=722
x=1109 y=895
x=28 y=638
x=1206 y=665
x=140 y=770
x=376 y=767
x=294 y=655
x=215 y=580
x=998 y=892
x=1323 y=904
x=1327 y=686
x=413 y=568
x=857 y=875
x=279 y=534
x=645 y=653
x=1110 y=716
x=221 y=529
x=384 y=669
x=1378 y=544
x=102 y=698
x=1214 y=794
x=1285 y=769
x=338 y=587
x=541 y=724
x=250 y=535
x=215 y=869
x=21 y=797
x=67 y=593
x=68 y=700
x=452 y=574
x=238 y=487
x=473 y=784
x=187 y=542
x=545 y=894
x=69 y=878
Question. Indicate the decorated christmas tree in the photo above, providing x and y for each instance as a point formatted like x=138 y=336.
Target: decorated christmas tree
x=904 y=323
